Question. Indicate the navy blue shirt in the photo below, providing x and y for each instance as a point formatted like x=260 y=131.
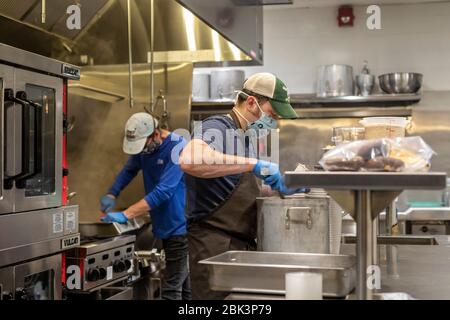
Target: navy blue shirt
x=164 y=186
x=205 y=195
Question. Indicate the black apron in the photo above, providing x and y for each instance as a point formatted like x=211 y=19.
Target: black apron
x=231 y=226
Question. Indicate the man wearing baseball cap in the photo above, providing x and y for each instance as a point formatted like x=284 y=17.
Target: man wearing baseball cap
x=151 y=150
x=222 y=188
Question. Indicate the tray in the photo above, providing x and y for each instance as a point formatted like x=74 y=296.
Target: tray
x=264 y=272
x=108 y=230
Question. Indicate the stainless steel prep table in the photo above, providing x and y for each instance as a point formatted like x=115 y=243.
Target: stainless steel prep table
x=364 y=195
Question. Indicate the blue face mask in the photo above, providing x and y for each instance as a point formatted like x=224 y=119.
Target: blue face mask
x=264 y=122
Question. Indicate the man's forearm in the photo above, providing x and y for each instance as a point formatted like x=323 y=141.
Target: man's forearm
x=200 y=160
x=137 y=209
x=208 y=171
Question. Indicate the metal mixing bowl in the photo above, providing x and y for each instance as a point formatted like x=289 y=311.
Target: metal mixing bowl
x=400 y=82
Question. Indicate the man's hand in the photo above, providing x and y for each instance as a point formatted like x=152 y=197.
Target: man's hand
x=262 y=169
x=269 y=172
x=118 y=217
x=107 y=203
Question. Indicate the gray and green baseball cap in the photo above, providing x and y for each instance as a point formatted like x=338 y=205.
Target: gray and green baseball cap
x=268 y=85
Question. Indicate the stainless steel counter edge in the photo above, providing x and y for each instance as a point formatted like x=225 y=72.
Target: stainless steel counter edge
x=426 y=214
x=313 y=99
x=308 y=112
x=385 y=181
x=381 y=97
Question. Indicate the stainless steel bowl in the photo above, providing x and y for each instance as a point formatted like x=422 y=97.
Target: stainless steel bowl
x=400 y=82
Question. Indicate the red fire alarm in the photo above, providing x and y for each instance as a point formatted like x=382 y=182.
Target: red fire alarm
x=345 y=16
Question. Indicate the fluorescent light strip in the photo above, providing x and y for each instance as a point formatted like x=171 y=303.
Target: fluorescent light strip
x=190 y=31
x=216 y=45
x=235 y=51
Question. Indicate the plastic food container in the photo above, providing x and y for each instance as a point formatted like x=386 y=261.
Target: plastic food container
x=347 y=134
x=303 y=286
x=384 y=127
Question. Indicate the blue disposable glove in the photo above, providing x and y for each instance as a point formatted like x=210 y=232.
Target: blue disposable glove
x=290 y=191
x=107 y=203
x=267 y=171
x=262 y=169
x=280 y=186
x=118 y=217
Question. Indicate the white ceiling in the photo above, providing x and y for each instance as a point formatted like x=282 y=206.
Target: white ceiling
x=324 y=3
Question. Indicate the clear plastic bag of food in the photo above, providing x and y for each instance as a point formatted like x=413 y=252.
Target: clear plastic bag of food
x=409 y=154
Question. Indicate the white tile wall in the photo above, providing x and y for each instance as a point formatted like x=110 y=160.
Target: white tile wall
x=414 y=37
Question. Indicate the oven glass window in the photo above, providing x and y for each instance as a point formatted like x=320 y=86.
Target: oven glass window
x=38 y=286
x=43 y=183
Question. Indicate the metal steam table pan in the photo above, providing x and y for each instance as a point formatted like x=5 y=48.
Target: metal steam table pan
x=264 y=272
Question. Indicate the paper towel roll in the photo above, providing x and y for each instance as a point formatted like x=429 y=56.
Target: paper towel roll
x=303 y=286
x=335 y=230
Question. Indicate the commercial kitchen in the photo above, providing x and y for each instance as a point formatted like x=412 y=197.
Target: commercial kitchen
x=365 y=158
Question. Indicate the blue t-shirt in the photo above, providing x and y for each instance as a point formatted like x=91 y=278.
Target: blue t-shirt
x=205 y=195
x=164 y=186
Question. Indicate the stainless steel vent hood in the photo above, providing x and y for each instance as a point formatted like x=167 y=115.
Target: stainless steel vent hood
x=52 y=17
x=222 y=33
x=241 y=22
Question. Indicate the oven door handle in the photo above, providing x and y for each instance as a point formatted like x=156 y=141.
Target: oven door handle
x=3 y=143
x=25 y=140
x=9 y=96
x=37 y=164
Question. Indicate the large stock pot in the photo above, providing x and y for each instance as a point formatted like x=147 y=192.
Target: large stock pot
x=305 y=224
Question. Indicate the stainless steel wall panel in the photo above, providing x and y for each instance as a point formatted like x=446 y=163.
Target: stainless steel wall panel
x=95 y=144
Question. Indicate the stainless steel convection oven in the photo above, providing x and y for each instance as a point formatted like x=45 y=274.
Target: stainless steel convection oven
x=36 y=224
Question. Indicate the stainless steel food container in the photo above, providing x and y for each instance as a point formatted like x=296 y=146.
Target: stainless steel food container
x=264 y=272
x=201 y=86
x=224 y=83
x=365 y=84
x=335 y=80
x=308 y=224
